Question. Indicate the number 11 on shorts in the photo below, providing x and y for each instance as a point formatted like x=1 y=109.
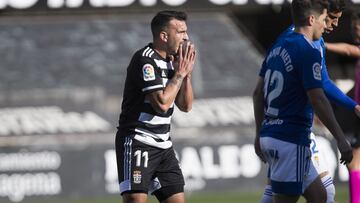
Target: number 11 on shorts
x=139 y=155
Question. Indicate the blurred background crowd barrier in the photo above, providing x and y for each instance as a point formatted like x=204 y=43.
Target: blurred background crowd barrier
x=62 y=71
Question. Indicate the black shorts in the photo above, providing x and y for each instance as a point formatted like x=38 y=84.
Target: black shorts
x=143 y=168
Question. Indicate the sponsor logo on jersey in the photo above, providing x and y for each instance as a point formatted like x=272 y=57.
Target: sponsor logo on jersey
x=148 y=72
x=317 y=71
x=273 y=122
x=137 y=177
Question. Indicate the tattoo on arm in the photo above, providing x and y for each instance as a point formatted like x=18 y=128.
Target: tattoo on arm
x=177 y=80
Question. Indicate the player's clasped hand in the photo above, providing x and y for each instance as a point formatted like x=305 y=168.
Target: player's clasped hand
x=184 y=62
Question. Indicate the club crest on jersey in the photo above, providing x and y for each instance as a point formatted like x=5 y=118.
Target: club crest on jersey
x=317 y=71
x=148 y=72
x=137 y=177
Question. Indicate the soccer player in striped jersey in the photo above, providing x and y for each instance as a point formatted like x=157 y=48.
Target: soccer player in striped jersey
x=334 y=94
x=158 y=77
x=288 y=91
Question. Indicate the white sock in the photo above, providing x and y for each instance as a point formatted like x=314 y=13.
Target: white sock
x=330 y=188
x=267 y=196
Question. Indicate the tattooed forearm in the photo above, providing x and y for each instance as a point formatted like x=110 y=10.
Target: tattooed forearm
x=177 y=80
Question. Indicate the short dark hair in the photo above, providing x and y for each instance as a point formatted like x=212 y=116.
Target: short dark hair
x=336 y=5
x=302 y=9
x=161 y=20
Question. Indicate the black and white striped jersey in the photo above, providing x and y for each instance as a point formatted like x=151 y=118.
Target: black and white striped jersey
x=147 y=72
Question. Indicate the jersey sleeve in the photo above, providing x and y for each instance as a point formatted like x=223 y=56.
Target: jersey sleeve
x=310 y=68
x=149 y=75
x=333 y=93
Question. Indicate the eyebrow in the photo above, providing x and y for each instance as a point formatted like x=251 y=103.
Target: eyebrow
x=332 y=16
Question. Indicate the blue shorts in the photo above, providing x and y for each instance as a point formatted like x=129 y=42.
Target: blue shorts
x=290 y=168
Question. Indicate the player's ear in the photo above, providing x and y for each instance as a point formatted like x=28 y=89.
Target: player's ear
x=163 y=36
x=311 y=20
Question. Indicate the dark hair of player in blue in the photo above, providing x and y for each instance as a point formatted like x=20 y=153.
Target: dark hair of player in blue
x=336 y=5
x=302 y=9
x=161 y=20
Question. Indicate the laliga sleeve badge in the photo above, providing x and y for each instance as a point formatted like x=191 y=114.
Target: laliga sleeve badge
x=317 y=71
x=137 y=177
x=148 y=72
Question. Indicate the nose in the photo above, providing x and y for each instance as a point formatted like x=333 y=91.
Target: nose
x=336 y=23
x=186 y=37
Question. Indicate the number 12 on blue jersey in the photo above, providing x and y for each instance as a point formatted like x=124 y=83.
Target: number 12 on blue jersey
x=274 y=83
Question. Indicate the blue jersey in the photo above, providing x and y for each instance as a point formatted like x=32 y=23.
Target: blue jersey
x=292 y=66
x=333 y=93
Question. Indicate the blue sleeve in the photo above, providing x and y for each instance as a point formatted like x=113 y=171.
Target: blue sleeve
x=334 y=94
x=310 y=68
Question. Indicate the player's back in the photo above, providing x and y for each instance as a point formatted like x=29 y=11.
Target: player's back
x=318 y=44
x=291 y=67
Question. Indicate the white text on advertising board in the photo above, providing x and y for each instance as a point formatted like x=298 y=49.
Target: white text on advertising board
x=55 y=4
x=49 y=120
x=198 y=165
x=29 y=174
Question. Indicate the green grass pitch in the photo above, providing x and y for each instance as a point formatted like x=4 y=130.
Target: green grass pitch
x=224 y=197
